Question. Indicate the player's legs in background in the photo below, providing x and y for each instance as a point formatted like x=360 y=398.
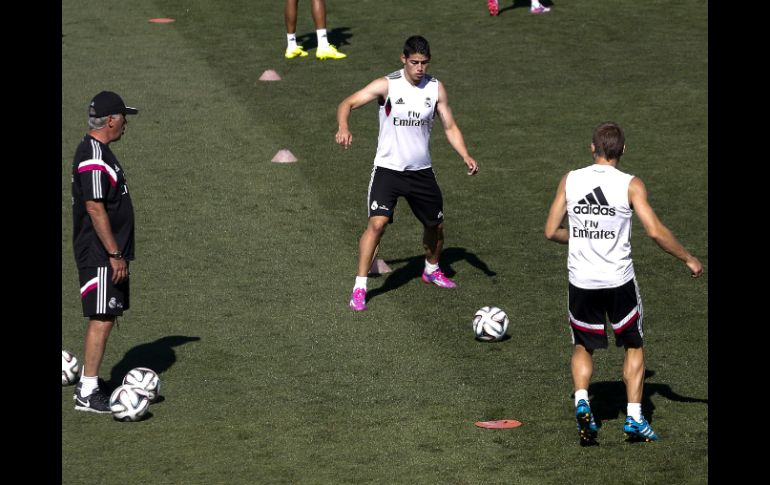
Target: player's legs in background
x=290 y=17
x=325 y=49
x=318 y=10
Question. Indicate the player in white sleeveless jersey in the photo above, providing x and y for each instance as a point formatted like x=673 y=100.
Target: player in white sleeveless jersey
x=409 y=100
x=598 y=201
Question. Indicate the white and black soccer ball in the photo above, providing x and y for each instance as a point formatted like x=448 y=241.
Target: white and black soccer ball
x=490 y=324
x=69 y=368
x=129 y=403
x=145 y=378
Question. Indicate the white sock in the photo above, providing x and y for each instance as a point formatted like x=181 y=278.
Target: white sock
x=291 y=41
x=322 y=40
x=360 y=282
x=635 y=410
x=581 y=394
x=430 y=268
x=535 y=4
x=88 y=384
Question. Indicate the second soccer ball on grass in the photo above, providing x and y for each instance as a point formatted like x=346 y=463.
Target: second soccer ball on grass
x=490 y=324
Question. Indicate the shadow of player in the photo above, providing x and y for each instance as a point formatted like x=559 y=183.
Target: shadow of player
x=339 y=36
x=416 y=264
x=158 y=356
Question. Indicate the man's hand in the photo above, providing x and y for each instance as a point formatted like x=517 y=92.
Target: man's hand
x=473 y=167
x=344 y=138
x=119 y=270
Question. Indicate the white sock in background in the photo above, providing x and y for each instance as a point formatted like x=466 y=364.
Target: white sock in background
x=322 y=40
x=291 y=41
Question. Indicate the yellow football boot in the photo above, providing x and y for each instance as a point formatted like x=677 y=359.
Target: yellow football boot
x=329 y=52
x=292 y=53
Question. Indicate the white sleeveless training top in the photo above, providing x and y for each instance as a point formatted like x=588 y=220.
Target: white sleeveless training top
x=600 y=227
x=406 y=120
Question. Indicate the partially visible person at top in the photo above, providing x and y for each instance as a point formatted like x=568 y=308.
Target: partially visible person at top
x=598 y=201
x=408 y=101
x=325 y=50
x=102 y=238
x=535 y=8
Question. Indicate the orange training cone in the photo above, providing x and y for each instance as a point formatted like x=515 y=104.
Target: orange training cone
x=269 y=75
x=284 y=156
x=379 y=266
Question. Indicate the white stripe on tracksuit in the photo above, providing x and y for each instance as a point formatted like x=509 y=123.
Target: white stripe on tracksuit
x=95 y=174
x=101 y=290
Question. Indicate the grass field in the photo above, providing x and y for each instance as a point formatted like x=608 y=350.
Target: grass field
x=244 y=267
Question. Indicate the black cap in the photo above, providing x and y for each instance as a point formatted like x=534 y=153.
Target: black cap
x=108 y=103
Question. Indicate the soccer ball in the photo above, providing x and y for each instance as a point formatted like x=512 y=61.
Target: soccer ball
x=490 y=324
x=145 y=378
x=129 y=403
x=69 y=368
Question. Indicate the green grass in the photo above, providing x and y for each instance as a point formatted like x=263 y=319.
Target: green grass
x=255 y=260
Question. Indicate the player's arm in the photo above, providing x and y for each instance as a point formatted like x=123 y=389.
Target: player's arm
x=658 y=232
x=98 y=214
x=554 y=230
x=453 y=133
x=375 y=89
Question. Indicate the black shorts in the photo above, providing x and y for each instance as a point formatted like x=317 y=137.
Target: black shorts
x=418 y=187
x=99 y=295
x=589 y=310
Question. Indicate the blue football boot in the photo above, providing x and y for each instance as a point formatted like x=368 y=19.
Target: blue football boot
x=639 y=430
x=585 y=424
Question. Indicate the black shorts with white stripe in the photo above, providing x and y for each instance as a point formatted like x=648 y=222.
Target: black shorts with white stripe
x=589 y=309
x=99 y=295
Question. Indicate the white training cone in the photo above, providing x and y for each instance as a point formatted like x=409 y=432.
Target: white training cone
x=379 y=266
x=284 y=156
x=269 y=75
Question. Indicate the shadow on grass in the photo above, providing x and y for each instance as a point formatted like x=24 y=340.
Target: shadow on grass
x=158 y=356
x=416 y=264
x=608 y=398
x=338 y=36
x=521 y=4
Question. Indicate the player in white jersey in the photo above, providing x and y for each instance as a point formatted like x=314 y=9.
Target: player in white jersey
x=408 y=102
x=598 y=201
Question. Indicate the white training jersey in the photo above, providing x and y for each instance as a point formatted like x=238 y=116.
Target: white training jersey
x=600 y=227
x=406 y=120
